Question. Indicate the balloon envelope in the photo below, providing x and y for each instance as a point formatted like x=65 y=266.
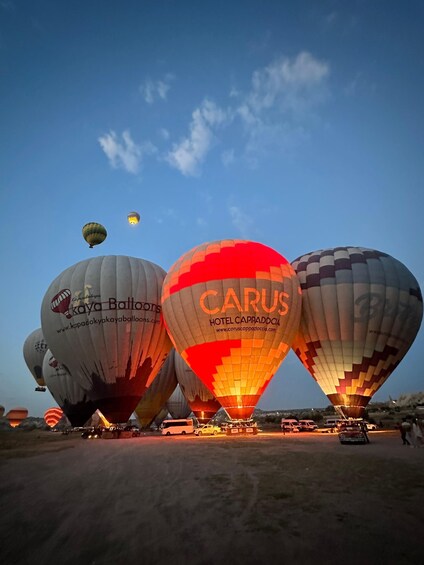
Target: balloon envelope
x=94 y=233
x=361 y=312
x=67 y=391
x=232 y=308
x=202 y=402
x=35 y=347
x=109 y=335
x=158 y=392
x=177 y=405
x=16 y=416
x=52 y=416
x=133 y=218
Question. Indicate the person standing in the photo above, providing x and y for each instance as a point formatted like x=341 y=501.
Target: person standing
x=405 y=428
x=416 y=433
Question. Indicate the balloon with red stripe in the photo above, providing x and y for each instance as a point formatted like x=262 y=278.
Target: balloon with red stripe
x=232 y=308
x=52 y=416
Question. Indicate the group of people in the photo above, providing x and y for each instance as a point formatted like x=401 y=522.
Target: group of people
x=412 y=432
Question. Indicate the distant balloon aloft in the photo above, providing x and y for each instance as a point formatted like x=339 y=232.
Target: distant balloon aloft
x=102 y=320
x=361 y=311
x=94 y=233
x=232 y=308
x=133 y=218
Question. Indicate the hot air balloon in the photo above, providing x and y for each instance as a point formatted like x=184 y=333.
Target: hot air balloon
x=94 y=233
x=232 y=308
x=35 y=347
x=200 y=399
x=361 y=312
x=158 y=392
x=16 y=416
x=133 y=218
x=67 y=391
x=115 y=341
x=52 y=416
x=160 y=416
x=177 y=405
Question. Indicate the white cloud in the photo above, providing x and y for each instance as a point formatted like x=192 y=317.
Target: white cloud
x=153 y=90
x=240 y=221
x=190 y=152
x=124 y=154
x=164 y=133
x=227 y=157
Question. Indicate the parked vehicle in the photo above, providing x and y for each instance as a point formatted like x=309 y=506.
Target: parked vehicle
x=174 y=427
x=290 y=425
x=307 y=425
x=371 y=427
x=207 y=430
x=352 y=432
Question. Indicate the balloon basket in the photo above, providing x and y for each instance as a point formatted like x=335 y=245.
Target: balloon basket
x=241 y=427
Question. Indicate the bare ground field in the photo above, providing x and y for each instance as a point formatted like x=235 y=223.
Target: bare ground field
x=152 y=500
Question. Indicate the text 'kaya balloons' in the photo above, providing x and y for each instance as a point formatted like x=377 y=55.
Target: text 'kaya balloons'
x=361 y=312
x=232 y=308
x=67 y=391
x=35 y=347
x=109 y=335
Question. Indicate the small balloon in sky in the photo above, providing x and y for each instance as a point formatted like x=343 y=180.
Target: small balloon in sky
x=94 y=233
x=133 y=218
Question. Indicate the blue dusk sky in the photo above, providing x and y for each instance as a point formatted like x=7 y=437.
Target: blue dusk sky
x=297 y=124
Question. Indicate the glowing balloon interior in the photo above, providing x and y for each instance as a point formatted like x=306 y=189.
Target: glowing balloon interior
x=133 y=218
x=16 y=416
x=52 y=416
x=232 y=308
x=94 y=233
x=361 y=312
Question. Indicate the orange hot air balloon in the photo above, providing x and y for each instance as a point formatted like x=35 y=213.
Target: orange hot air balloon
x=200 y=399
x=232 y=308
x=53 y=416
x=16 y=416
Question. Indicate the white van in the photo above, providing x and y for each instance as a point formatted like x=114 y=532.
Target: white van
x=173 y=427
x=290 y=425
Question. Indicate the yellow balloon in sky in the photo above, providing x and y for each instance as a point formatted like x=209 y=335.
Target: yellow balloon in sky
x=133 y=218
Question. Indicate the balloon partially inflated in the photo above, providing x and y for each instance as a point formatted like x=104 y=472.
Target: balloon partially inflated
x=232 y=308
x=202 y=402
x=52 y=416
x=177 y=404
x=35 y=347
x=361 y=312
x=158 y=392
x=67 y=391
x=102 y=320
x=16 y=416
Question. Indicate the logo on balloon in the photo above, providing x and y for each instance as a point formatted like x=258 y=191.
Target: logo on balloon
x=60 y=303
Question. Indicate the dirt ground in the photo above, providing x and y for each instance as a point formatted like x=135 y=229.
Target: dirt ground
x=153 y=500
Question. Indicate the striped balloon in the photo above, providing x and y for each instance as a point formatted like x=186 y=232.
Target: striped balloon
x=52 y=416
x=232 y=308
x=361 y=312
x=35 y=347
x=94 y=233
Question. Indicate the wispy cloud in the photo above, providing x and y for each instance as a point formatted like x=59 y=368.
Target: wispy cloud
x=190 y=152
x=153 y=90
x=241 y=221
x=125 y=154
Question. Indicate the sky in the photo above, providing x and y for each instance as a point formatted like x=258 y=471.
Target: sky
x=297 y=124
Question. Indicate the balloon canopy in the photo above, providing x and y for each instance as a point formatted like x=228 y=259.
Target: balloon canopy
x=177 y=404
x=52 y=416
x=202 y=402
x=67 y=391
x=94 y=233
x=158 y=392
x=110 y=335
x=16 y=416
x=232 y=308
x=35 y=347
x=361 y=312
x=133 y=218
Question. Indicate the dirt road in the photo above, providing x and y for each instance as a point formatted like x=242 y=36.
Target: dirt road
x=301 y=499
